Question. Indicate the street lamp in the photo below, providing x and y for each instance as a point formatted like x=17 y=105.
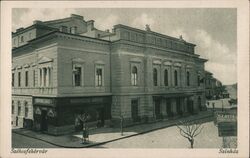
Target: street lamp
x=121 y=117
x=222 y=105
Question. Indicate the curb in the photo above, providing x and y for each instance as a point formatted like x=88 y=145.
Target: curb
x=101 y=143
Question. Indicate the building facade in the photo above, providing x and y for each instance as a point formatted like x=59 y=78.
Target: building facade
x=66 y=67
x=214 y=87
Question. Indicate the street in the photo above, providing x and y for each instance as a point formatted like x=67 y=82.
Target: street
x=20 y=141
x=170 y=138
x=162 y=138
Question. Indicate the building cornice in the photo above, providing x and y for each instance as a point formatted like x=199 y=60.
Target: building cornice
x=126 y=42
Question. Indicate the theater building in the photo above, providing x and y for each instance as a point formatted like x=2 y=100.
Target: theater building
x=66 y=67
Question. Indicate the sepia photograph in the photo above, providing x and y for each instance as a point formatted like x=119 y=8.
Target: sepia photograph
x=124 y=78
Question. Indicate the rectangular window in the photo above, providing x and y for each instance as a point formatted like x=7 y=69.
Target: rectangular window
x=19 y=110
x=198 y=80
x=166 y=77
x=19 y=79
x=99 y=77
x=64 y=29
x=77 y=76
x=12 y=107
x=155 y=76
x=22 y=39
x=45 y=74
x=26 y=78
x=34 y=78
x=134 y=76
x=73 y=30
x=26 y=111
x=13 y=80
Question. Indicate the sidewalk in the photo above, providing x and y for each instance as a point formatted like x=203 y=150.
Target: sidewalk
x=100 y=136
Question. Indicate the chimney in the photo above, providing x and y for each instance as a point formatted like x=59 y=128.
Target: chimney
x=76 y=16
x=107 y=30
x=90 y=24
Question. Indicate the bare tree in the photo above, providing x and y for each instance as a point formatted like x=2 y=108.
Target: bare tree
x=189 y=130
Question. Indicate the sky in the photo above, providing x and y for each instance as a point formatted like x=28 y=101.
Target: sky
x=214 y=31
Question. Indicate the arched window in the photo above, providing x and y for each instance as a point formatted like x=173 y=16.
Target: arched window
x=166 y=77
x=134 y=76
x=188 y=80
x=155 y=76
x=175 y=78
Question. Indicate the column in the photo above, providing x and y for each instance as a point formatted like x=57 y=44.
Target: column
x=171 y=83
x=42 y=78
x=47 y=76
x=39 y=77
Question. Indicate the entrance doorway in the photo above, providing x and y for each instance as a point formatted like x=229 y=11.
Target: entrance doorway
x=190 y=106
x=178 y=106
x=44 y=121
x=157 y=109
x=169 y=108
x=101 y=118
x=199 y=103
x=135 y=109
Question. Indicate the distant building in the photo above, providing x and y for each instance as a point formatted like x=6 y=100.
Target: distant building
x=63 y=68
x=214 y=87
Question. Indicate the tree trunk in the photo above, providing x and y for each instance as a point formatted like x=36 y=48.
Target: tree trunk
x=192 y=143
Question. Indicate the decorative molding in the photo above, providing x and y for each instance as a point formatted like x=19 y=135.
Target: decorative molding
x=78 y=60
x=33 y=64
x=26 y=66
x=84 y=50
x=44 y=60
x=138 y=60
x=19 y=67
x=130 y=53
x=13 y=67
x=100 y=62
x=157 y=62
x=177 y=64
x=168 y=63
x=38 y=111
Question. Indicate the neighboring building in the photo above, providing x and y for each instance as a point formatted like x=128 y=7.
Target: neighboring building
x=209 y=85
x=63 y=68
x=214 y=87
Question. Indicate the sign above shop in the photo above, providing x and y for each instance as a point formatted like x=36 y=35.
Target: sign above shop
x=43 y=101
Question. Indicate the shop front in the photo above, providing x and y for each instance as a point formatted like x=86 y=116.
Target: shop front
x=63 y=115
